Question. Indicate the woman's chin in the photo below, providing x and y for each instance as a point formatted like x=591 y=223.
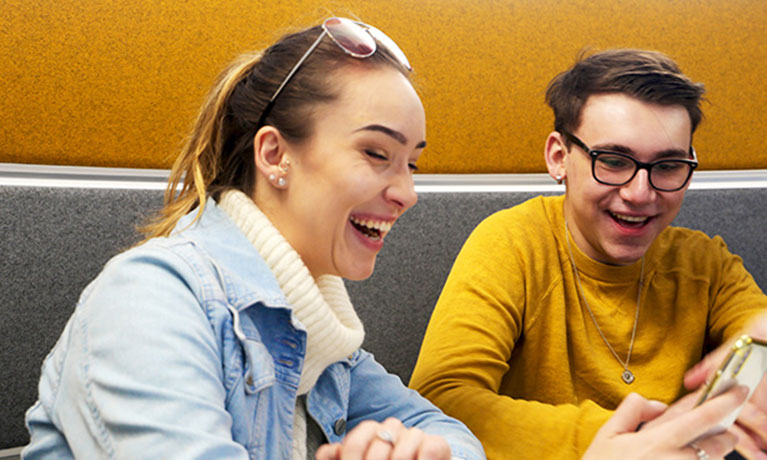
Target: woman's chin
x=358 y=271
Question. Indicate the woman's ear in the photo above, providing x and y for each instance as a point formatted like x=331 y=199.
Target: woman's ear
x=270 y=155
x=556 y=153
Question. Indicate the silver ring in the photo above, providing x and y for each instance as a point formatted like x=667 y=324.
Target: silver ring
x=385 y=436
x=702 y=455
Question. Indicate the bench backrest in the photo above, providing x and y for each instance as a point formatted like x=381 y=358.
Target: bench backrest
x=55 y=240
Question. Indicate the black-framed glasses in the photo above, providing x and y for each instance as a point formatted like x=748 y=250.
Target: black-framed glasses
x=357 y=39
x=614 y=168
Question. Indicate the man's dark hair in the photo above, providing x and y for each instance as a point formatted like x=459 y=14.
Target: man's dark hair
x=649 y=76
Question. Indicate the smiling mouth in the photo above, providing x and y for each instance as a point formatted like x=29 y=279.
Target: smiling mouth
x=375 y=230
x=629 y=221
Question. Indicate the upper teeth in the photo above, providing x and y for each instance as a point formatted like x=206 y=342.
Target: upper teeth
x=382 y=226
x=630 y=218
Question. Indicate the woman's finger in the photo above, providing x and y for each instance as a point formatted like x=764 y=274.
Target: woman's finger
x=356 y=443
x=408 y=443
x=384 y=439
x=434 y=448
x=329 y=452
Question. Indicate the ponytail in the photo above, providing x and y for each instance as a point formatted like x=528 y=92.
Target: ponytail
x=198 y=165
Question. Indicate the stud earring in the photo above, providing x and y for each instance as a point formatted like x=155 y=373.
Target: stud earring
x=558 y=178
x=284 y=166
x=281 y=182
x=272 y=177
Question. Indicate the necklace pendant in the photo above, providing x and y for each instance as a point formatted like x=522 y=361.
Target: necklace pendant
x=627 y=377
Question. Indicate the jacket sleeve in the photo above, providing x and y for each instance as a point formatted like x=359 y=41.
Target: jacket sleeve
x=468 y=344
x=378 y=395
x=141 y=375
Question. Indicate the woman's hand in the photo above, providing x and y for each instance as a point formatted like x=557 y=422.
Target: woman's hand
x=667 y=433
x=391 y=439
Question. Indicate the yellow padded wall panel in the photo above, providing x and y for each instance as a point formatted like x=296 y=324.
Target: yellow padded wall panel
x=118 y=83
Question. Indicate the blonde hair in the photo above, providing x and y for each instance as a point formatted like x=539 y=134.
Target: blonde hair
x=196 y=167
x=218 y=154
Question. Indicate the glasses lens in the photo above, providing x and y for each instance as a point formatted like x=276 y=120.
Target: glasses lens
x=613 y=169
x=391 y=46
x=350 y=37
x=670 y=174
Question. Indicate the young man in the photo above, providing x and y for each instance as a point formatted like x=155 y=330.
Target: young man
x=558 y=308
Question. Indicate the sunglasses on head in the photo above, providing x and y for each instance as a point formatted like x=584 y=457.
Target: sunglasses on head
x=357 y=39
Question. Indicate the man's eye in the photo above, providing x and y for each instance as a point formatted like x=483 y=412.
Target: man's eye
x=669 y=166
x=614 y=162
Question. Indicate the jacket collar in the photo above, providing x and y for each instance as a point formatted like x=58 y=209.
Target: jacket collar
x=246 y=277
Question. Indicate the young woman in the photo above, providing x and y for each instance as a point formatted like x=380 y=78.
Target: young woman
x=228 y=333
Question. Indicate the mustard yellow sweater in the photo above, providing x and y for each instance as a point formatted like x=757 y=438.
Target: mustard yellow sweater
x=511 y=351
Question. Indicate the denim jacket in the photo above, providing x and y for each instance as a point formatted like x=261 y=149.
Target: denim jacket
x=185 y=347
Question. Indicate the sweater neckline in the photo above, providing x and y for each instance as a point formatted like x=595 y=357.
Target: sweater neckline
x=586 y=265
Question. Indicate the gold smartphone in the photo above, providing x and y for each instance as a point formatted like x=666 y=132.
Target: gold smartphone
x=745 y=365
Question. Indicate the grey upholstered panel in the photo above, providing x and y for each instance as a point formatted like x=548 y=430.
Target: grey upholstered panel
x=739 y=216
x=395 y=303
x=55 y=240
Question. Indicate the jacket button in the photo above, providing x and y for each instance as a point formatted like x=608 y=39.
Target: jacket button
x=339 y=427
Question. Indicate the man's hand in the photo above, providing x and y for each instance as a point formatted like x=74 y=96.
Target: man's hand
x=751 y=425
x=668 y=433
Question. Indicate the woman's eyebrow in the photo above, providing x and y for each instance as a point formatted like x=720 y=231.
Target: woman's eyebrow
x=396 y=135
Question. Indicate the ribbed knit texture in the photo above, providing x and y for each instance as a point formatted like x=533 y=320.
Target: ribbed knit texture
x=333 y=328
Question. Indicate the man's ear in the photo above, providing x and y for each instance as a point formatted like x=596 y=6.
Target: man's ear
x=269 y=150
x=556 y=153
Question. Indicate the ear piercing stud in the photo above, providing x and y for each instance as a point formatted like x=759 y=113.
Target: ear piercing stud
x=280 y=181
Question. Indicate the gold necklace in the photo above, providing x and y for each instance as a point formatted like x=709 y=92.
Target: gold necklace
x=627 y=376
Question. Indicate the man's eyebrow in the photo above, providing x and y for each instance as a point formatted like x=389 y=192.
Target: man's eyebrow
x=668 y=153
x=396 y=135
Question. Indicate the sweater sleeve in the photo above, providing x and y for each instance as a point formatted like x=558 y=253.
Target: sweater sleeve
x=737 y=301
x=470 y=339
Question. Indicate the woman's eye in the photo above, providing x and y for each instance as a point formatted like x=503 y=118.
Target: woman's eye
x=413 y=167
x=376 y=155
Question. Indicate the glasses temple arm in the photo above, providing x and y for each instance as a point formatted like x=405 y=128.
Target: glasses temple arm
x=287 y=79
x=694 y=155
